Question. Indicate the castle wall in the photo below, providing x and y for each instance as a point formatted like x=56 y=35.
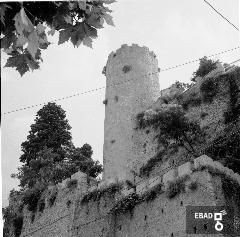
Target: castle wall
x=132 y=86
x=55 y=220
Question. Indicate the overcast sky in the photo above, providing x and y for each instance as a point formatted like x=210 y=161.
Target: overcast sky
x=177 y=31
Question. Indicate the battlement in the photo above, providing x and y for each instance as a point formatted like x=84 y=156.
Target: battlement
x=131 y=48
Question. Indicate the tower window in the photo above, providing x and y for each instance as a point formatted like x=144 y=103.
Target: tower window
x=116 y=98
x=127 y=68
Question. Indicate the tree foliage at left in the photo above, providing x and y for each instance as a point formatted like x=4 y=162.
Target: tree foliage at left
x=25 y=26
x=48 y=157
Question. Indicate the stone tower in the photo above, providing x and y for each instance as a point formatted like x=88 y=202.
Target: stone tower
x=132 y=85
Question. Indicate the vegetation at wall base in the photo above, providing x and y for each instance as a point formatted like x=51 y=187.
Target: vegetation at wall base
x=209 y=89
x=96 y=194
x=152 y=193
x=126 y=204
x=233 y=111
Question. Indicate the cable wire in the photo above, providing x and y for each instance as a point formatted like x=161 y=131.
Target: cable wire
x=221 y=14
x=115 y=84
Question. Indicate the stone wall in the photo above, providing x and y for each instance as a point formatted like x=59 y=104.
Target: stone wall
x=55 y=220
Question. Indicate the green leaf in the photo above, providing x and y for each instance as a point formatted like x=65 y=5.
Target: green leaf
x=68 y=19
x=64 y=35
x=19 y=62
x=87 y=42
x=8 y=39
x=90 y=31
x=108 y=19
x=21 y=40
x=95 y=20
x=33 y=43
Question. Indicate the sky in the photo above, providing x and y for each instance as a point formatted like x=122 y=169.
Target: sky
x=177 y=31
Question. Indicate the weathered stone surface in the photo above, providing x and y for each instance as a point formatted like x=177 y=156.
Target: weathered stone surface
x=185 y=169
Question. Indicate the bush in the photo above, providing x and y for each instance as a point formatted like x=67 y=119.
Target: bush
x=192 y=101
x=126 y=204
x=41 y=205
x=53 y=196
x=193 y=185
x=32 y=196
x=151 y=194
x=209 y=89
x=96 y=194
x=233 y=111
x=176 y=186
x=205 y=66
x=18 y=223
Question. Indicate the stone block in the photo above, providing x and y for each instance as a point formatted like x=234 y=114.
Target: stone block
x=185 y=169
x=154 y=181
x=142 y=187
x=202 y=160
x=169 y=176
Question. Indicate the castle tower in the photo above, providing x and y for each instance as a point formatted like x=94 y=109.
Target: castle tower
x=132 y=85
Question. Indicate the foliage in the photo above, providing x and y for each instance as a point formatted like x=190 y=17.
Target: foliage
x=203 y=115
x=96 y=194
x=151 y=194
x=10 y=215
x=126 y=204
x=193 y=185
x=50 y=130
x=32 y=195
x=53 y=196
x=226 y=148
x=24 y=27
x=176 y=186
x=81 y=159
x=48 y=153
x=231 y=189
x=147 y=168
x=41 y=205
x=233 y=111
x=209 y=89
x=205 y=66
x=72 y=183
x=192 y=100
x=173 y=125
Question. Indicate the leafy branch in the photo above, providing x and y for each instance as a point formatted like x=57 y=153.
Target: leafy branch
x=25 y=26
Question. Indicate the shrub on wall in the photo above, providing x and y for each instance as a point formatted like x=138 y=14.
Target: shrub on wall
x=190 y=101
x=96 y=194
x=177 y=186
x=53 y=196
x=209 y=89
x=31 y=197
x=233 y=111
x=205 y=66
x=151 y=194
x=126 y=204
